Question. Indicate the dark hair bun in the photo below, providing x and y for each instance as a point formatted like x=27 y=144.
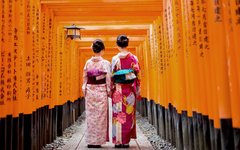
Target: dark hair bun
x=122 y=41
x=98 y=46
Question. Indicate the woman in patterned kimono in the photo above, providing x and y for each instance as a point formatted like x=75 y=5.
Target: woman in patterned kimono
x=125 y=91
x=96 y=89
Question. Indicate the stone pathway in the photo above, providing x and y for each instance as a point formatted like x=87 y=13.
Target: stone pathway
x=77 y=142
x=74 y=137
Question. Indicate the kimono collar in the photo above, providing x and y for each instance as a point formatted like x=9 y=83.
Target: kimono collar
x=96 y=58
x=123 y=55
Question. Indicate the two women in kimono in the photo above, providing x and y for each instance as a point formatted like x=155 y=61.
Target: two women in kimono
x=122 y=84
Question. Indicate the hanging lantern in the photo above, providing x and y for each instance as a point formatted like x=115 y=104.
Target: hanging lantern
x=73 y=32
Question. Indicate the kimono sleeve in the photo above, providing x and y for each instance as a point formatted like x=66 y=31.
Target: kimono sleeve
x=136 y=68
x=84 y=79
x=108 y=76
x=114 y=59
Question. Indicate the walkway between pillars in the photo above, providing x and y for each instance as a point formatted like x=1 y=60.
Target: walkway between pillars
x=77 y=142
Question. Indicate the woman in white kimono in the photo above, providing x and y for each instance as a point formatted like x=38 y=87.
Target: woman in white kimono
x=96 y=89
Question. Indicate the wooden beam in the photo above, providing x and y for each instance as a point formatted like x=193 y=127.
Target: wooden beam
x=105 y=13
x=105 y=33
x=101 y=6
x=111 y=38
x=109 y=43
x=125 y=27
x=107 y=49
x=94 y=1
x=103 y=22
x=101 y=3
x=106 y=18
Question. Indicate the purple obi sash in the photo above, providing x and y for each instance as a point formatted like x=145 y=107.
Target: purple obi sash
x=96 y=77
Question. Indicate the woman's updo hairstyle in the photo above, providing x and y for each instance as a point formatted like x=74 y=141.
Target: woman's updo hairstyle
x=98 y=46
x=122 y=41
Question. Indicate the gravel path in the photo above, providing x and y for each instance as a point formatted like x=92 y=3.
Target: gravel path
x=151 y=133
x=148 y=130
x=67 y=134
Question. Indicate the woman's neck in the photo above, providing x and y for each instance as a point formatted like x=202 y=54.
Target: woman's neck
x=123 y=50
x=98 y=55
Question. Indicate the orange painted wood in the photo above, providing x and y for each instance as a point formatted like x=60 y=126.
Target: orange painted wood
x=219 y=68
x=236 y=33
x=113 y=32
x=3 y=61
x=231 y=52
x=110 y=14
x=178 y=56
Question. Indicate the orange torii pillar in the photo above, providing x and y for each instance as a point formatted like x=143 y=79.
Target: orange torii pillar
x=231 y=17
x=219 y=56
x=233 y=8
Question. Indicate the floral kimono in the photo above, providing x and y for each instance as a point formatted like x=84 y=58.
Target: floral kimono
x=96 y=88
x=126 y=89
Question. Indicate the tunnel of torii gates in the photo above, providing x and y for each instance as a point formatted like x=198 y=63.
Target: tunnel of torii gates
x=188 y=50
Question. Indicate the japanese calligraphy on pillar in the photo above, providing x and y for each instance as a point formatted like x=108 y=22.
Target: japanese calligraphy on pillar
x=28 y=18
x=185 y=24
x=9 y=49
x=155 y=40
x=28 y=51
x=17 y=55
x=193 y=23
x=21 y=37
x=37 y=54
x=169 y=29
x=237 y=11
x=158 y=42
x=170 y=24
x=68 y=59
x=46 y=60
x=178 y=27
x=54 y=65
x=168 y=36
x=3 y=53
x=165 y=37
x=42 y=53
x=33 y=42
x=198 y=8
x=63 y=67
x=161 y=47
x=218 y=10
x=60 y=46
x=50 y=51
x=228 y=16
x=15 y=64
x=1 y=6
x=152 y=46
x=46 y=71
x=205 y=25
